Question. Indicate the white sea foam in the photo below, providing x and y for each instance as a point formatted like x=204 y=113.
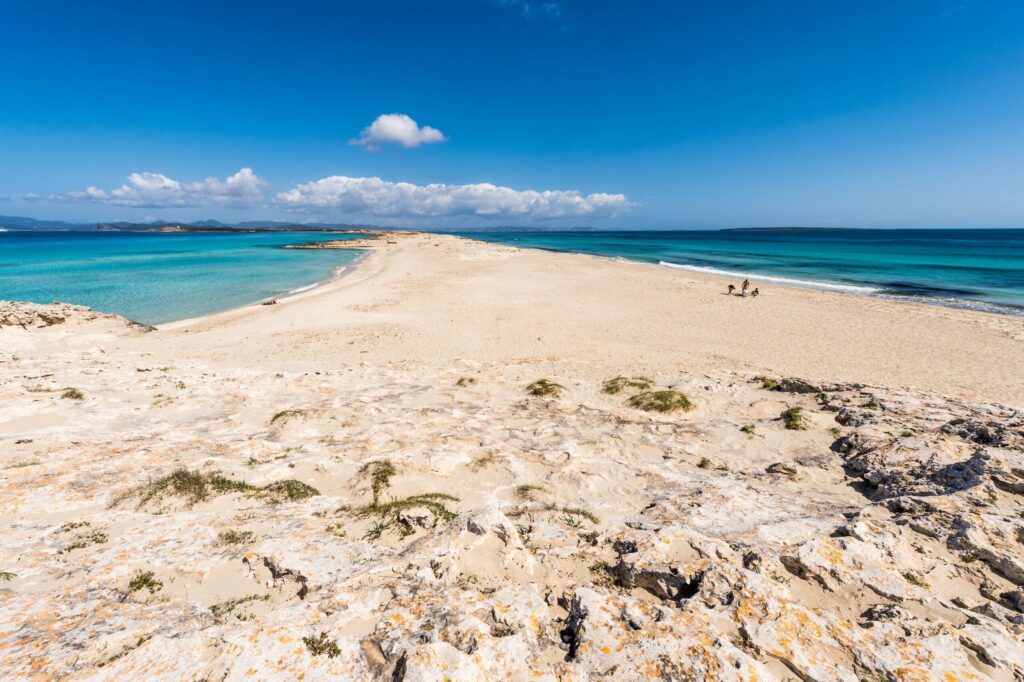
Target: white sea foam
x=849 y=288
x=305 y=288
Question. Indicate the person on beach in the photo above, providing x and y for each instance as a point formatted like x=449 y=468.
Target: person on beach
x=732 y=288
x=754 y=293
x=744 y=287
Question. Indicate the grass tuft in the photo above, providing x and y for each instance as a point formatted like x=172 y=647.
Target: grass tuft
x=380 y=474
x=767 y=383
x=794 y=418
x=145 y=580
x=7 y=576
x=661 y=401
x=387 y=515
x=285 y=415
x=545 y=388
x=234 y=537
x=225 y=607
x=289 y=490
x=528 y=493
x=621 y=383
x=748 y=429
x=71 y=393
x=322 y=645
x=465 y=381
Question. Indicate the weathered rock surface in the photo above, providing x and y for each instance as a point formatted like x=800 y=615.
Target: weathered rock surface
x=513 y=538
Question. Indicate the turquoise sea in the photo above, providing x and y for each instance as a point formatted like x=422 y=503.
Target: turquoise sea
x=977 y=269
x=155 y=278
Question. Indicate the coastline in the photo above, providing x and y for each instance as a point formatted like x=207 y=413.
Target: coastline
x=438 y=462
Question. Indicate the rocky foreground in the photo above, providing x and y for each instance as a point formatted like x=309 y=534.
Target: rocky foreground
x=164 y=520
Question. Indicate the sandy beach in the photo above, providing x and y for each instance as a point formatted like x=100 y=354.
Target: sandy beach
x=424 y=470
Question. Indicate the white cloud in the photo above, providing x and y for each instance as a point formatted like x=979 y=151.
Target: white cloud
x=397 y=129
x=156 y=190
x=376 y=197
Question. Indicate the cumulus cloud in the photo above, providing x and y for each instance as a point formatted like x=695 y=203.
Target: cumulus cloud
x=397 y=129
x=156 y=190
x=376 y=197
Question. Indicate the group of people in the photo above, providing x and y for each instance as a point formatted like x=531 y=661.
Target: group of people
x=743 y=290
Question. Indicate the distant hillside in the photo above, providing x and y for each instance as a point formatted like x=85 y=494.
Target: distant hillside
x=23 y=223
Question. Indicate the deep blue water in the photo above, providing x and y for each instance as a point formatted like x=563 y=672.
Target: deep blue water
x=155 y=278
x=979 y=269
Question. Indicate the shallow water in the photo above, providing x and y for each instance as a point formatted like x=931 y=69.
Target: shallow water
x=156 y=278
x=978 y=269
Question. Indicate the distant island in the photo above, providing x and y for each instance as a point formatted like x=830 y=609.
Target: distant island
x=787 y=229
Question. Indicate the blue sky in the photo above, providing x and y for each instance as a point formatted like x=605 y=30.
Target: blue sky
x=610 y=113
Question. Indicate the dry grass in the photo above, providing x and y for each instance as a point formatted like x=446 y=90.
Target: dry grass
x=379 y=474
x=621 y=383
x=794 y=419
x=71 y=393
x=545 y=388
x=661 y=401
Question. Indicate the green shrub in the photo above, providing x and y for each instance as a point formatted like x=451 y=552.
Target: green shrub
x=545 y=388
x=621 y=383
x=661 y=401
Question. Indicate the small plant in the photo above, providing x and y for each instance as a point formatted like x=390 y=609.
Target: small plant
x=234 y=537
x=125 y=651
x=969 y=558
x=906 y=434
x=288 y=490
x=793 y=418
x=7 y=576
x=388 y=515
x=465 y=381
x=590 y=537
x=872 y=404
x=322 y=645
x=223 y=608
x=71 y=393
x=337 y=530
x=483 y=461
x=576 y=513
x=748 y=429
x=914 y=580
x=545 y=388
x=528 y=493
x=380 y=474
x=285 y=415
x=96 y=537
x=661 y=401
x=767 y=383
x=620 y=384
x=705 y=463
x=193 y=486
x=145 y=580
x=836 y=431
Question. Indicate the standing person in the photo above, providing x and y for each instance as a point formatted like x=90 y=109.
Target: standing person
x=744 y=287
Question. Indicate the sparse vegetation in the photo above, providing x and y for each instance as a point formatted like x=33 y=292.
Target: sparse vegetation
x=705 y=463
x=288 y=490
x=125 y=651
x=572 y=515
x=661 y=401
x=483 y=461
x=465 y=381
x=906 y=434
x=748 y=429
x=388 y=515
x=528 y=492
x=193 y=486
x=337 y=530
x=223 y=608
x=836 y=431
x=545 y=388
x=914 y=580
x=872 y=404
x=96 y=537
x=285 y=415
x=322 y=645
x=379 y=474
x=71 y=393
x=621 y=383
x=793 y=418
x=7 y=576
x=767 y=383
x=234 y=537
x=145 y=580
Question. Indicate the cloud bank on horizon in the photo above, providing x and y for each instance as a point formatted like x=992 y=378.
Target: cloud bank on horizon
x=369 y=196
